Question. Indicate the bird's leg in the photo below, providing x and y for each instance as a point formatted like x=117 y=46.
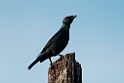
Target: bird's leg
x=50 y=60
x=52 y=67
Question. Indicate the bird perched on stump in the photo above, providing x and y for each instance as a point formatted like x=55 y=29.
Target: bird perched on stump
x=57 y=43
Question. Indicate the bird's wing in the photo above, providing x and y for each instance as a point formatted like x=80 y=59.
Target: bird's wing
x=56 y=37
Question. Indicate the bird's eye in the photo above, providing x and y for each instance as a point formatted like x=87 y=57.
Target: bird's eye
x=66 y=18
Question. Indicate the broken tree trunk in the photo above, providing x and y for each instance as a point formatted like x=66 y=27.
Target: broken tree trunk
x=65 y=70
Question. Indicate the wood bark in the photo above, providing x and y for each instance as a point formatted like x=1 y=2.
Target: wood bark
x=65 y=70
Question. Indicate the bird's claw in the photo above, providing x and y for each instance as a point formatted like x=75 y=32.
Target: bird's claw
x=51 y=64
x=60 y=56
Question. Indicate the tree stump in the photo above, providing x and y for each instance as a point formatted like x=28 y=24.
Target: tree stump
x=65 y=70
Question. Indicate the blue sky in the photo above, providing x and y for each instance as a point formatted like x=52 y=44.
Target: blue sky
x=96 y=37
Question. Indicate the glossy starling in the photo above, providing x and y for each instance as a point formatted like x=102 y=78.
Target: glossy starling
x=57 y=43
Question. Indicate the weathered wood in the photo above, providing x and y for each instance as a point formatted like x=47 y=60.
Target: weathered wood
x=65 y=70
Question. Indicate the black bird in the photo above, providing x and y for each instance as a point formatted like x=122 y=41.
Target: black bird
x=57 y=43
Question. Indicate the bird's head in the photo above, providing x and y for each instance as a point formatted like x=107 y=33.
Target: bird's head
x=68 y=19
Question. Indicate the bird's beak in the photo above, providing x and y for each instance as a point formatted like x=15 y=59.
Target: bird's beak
x=74 y=16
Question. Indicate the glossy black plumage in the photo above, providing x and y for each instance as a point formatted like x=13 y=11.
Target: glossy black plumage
x=57 y=43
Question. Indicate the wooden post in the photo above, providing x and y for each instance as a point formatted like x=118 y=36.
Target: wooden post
x=65 y=70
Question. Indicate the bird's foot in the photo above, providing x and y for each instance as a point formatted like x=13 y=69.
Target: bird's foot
x=50 y=61
x=60 y=56
x=51 y=64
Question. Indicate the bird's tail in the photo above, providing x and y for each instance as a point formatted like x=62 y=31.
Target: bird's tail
x=32 y=64
x=40 y=58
